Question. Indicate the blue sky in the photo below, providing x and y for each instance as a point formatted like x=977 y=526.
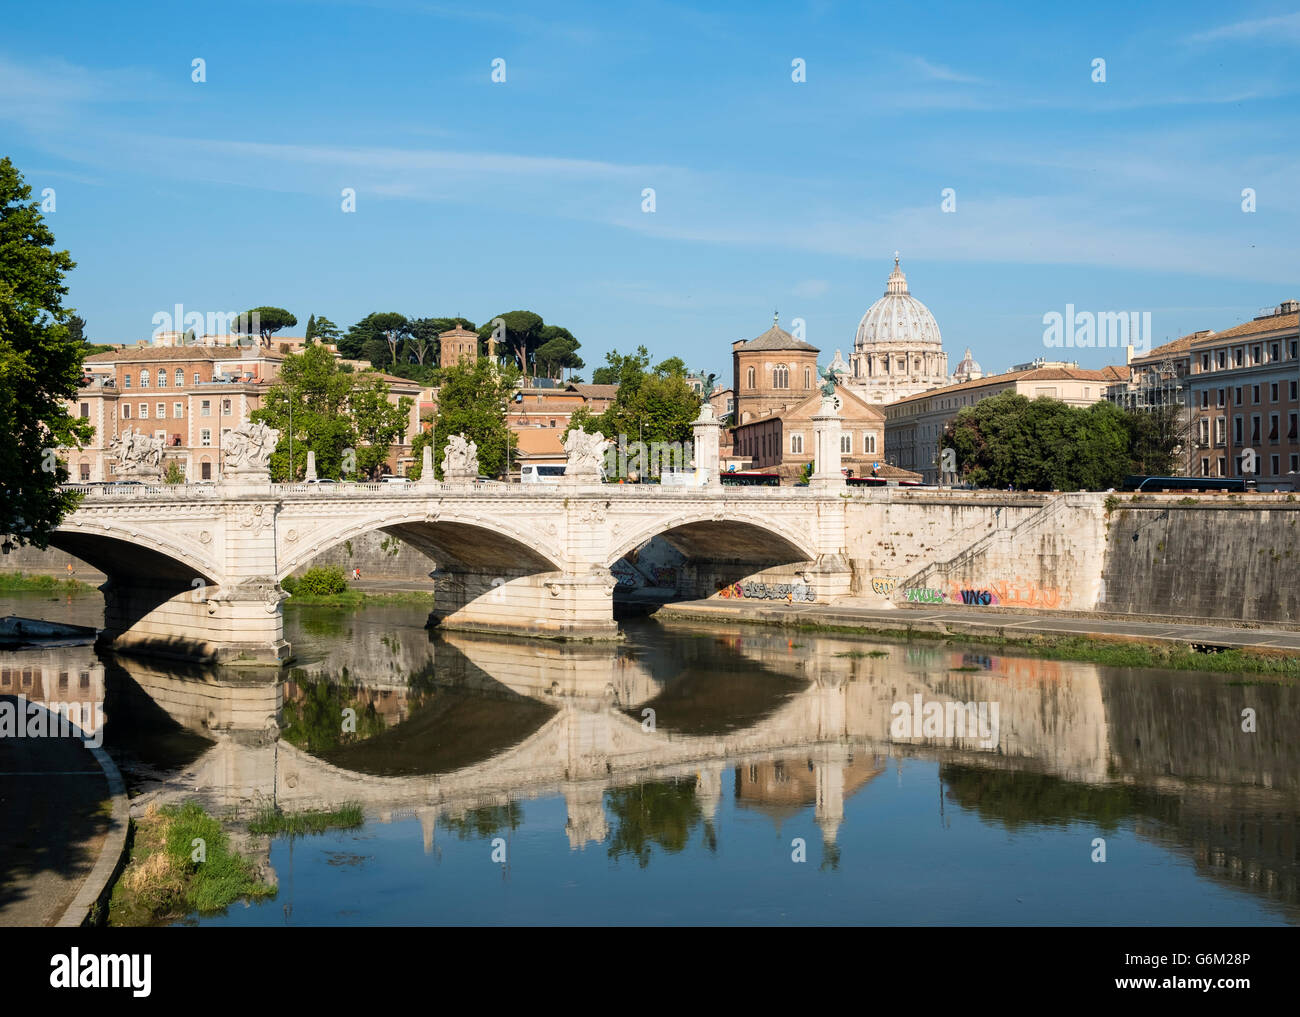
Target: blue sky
x=475 y=197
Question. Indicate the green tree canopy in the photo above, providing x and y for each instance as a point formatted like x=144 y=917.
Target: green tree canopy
x=1042 y=445
x=332 y=411
x=472 y=402
x=266 y=321
x=40 y=368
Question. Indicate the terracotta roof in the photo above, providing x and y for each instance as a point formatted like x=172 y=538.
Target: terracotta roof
x=1273 y=323
x=457 y=332
x=1178 y=347
x=184 y=353
x=1108 y=373
x=777 y=338
x=594 y=391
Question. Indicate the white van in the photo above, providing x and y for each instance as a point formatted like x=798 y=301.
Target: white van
x=532 y=473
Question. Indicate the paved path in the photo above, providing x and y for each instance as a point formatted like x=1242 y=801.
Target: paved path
x=983 y=621
x=54 y=818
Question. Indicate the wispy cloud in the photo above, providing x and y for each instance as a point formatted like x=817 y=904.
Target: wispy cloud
x=1283 y=28
x=938 y=72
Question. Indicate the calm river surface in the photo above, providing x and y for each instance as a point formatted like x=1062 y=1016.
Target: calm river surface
x=720 y=775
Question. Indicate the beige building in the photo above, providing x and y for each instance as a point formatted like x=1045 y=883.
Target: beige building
x=455 y=345
x=192 y=397
x=914 y=426
x=782 y=441
x=1158 y=379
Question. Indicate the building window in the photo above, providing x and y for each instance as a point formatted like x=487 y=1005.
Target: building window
x=144 y=411
x=85 y=472
x=1237 y=355
x=225 y=409
x=1236 y=430
x=869 y=443
x=162 y=378
x=126 y=411
x=749 y=378
x=1255 y=357
x=781 y=376
x=1220 y=430
x=1291 y=430
x=205 y=408
x=144 y=379
x=1295 y=463
x=1236 y=396
x=196 y=377
x=1274 y=465
x=1220 y=359
x=205 y=438
x=1203 y=431
x=1205 y=467
x=1272 y=353
x=796 y=444
x=178 y=410
x=1205 y=398
x=1205 y=361
x=1254 y=394
x=846 y=444
x=180 y=378
x=126 y=381
x=85 y=411
x=1272 y=392
x=1254 y=429
x=1293 y=391
x=1272 y=427
x=1222 y=396
x=205 y=469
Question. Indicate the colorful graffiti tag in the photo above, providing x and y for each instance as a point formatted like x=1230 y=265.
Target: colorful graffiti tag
x=1021 y=593
x=884 y=585
x=924 y=595
x=791 y=592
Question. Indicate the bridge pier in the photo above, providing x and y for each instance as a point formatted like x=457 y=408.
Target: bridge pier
x=553 y=605
x=238 y=624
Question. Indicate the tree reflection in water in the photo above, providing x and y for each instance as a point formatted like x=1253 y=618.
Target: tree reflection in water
x=665 y=813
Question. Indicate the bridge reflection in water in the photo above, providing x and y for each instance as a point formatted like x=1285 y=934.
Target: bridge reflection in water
x=458 y=729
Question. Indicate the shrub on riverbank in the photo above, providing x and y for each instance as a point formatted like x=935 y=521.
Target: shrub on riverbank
x=17 y=582
x=181 y=861
x=321 y=581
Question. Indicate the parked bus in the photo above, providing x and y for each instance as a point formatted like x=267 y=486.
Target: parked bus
x=752 y=479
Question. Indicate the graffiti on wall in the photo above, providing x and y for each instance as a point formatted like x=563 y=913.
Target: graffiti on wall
x=924 y=595
x=624 y=573
x=1020 y=593
x=665 y=575
x=791 y=592
x=884 y=585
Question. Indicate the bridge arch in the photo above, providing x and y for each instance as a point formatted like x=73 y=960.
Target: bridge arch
x=122 y=550
x=710 y=534
x=462 y=540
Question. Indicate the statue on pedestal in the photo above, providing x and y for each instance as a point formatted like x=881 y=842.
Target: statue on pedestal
x=586 y=454
x=460 y=459
x=137 y=454
x=248 y=449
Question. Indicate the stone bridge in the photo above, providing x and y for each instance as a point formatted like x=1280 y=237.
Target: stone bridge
x=194 y=571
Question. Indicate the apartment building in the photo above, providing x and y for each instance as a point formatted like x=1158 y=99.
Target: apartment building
x=1244 y=399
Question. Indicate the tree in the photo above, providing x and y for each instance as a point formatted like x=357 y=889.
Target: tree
x=423 y=341
x=558 y=353
x=310 y=334
x=326 y=331
x=318 y=391
x=472 y=402
x=77 y=328
x=1041 y=445
x=1156 y=435
x=522 y=334
x=379 y=422
x=40 y=368
x=266 y=321
x=651 y=406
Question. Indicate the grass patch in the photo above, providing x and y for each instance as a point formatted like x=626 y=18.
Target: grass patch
x=863 y=653
x=298 y=824
x=163 y=881
x=24 y=582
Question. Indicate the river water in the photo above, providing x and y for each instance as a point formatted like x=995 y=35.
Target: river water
x=713 y=775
